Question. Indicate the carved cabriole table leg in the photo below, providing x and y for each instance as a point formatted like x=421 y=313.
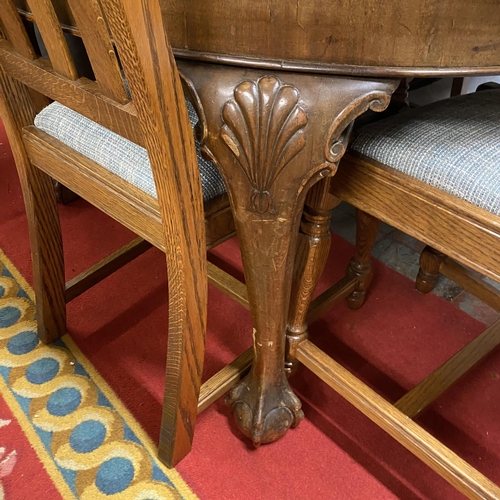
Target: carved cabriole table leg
x=273 y=135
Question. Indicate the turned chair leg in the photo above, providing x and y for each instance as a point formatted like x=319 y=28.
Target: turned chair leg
x=313 y=247
x=430 y=263
x=360 y=266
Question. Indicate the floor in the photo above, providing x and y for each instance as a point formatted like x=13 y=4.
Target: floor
x=401 y=253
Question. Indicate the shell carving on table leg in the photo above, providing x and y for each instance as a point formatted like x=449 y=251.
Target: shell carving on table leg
x=263 y=128
x=272 y=138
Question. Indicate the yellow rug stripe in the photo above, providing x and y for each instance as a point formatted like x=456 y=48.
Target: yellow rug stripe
x=36 y=442
x=146 y=441
x=48 y=462
x=17 y=275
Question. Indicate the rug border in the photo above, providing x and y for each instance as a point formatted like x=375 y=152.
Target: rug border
x=177 y=480
x=47 y=461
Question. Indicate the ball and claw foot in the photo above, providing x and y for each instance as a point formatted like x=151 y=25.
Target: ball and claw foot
x=264 y=414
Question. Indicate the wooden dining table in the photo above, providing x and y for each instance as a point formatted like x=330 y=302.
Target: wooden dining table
x=277 y=85
x=280 y=85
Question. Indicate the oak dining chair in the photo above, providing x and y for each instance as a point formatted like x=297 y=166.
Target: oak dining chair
x=434 y=173
x=124 y=142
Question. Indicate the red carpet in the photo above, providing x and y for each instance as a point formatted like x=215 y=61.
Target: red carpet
x=397 y=338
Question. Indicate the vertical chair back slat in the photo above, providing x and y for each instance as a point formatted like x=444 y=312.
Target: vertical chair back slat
x=95 y=35
x=13 y=30
x=139 y=31
x=53 y=38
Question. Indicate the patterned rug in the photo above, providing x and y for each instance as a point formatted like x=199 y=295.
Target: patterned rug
x=63 y=432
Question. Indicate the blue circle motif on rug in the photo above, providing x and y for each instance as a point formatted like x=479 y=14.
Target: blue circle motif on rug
x=87 y=436
x=9 y=316
x=42 y=370
x=36 y=374
x=22 y=343
x=64 y=401
x=114 y=475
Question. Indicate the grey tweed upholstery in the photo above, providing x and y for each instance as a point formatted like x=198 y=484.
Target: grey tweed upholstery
x=115 y=153
x=453 y=145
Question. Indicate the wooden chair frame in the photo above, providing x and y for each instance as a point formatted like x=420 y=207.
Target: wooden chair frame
x=441 y=221
x=178 y=222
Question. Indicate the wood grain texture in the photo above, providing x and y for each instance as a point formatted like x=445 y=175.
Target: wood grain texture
x=228 y=284
x=447 y=38
x=13 y=30
x=273 y=137
x=95 y=35
x=124 y=202
x=446 y=463
x=43 y=217
x=222 y=381
x=323 y=302
x=159 y=99
x=443 y=219
x=127 y=204
x=157 y=119
x=313 y=247
x=352 y=33
x=53 y=38
x=457 y=233
x=360 y=266
x=83 y=95
x=219 y=221
x=428 y=273
x=439 y=380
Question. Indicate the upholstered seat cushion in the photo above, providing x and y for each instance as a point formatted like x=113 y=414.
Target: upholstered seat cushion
x=453 y=145
x=115 y=153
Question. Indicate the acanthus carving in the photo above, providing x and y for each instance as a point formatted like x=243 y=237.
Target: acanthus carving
x=263 y=126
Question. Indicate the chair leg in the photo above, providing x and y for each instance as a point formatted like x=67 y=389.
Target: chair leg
x=187 y=316
x=312 y=253
x=430 y=263
x=46 y=252
x=41 y=210
x=360 y=266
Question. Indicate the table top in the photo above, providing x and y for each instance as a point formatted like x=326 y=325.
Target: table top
x=393 y=37
x=352 y=37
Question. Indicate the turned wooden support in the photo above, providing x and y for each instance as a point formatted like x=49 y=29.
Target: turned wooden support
x=430 y=263
x=360 y=266
x=312 y=253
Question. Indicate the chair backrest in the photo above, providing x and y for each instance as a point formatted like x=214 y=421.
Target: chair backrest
x=123 y=38
x=112 y=44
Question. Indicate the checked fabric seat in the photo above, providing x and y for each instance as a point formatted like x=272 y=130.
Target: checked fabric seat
x=117 y=154
x=434 y=173
x=453 y=145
